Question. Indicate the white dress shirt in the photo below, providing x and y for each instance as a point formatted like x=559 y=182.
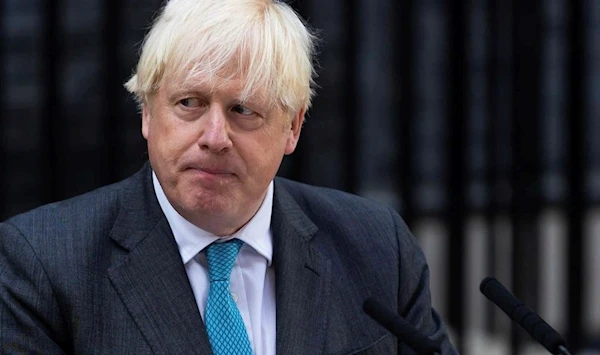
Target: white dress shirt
x=252 y=277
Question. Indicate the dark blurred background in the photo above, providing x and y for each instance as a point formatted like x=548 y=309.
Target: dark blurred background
x=475 y=119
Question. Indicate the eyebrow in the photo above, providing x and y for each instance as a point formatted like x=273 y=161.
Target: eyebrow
x=252 y=102
x=204 y=89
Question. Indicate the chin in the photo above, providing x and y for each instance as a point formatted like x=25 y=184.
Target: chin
x=208 y=203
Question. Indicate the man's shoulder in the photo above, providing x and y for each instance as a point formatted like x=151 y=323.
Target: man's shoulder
x=93 y=207
x=325 y=195
x=329 y=205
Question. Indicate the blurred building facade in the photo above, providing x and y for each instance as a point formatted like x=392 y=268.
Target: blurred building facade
x=475 y=119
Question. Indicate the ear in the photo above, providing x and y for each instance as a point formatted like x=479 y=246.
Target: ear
x=294 y=132
x=145 y=120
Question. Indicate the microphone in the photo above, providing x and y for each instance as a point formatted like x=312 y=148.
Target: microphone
x=526 y=317
x=398 y=326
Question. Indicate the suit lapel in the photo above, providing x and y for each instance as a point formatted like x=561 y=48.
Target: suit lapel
x=153 y=284
x=151 y=280
x=303 y=279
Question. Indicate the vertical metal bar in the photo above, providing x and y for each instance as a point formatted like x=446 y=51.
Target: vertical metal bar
x=52 y=127
x=526 y=165
x=405 y=95
x=112 y=86
x=492 y=209
x=576 y=170
x=553 y=159
x=501 y=156
x=350 y=92
x=3 y=114
x=456 y=184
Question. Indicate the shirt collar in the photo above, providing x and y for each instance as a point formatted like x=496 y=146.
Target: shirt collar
x=191 y=239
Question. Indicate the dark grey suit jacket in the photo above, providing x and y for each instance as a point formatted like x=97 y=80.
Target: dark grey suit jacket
x=101 y=274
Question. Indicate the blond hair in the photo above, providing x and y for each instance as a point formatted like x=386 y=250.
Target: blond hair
x=262 y=42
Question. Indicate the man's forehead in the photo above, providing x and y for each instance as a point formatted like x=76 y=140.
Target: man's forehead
x=202 y=82
x=234 y=77
x=232 y=86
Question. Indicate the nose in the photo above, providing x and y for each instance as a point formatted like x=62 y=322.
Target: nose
x=214 y=136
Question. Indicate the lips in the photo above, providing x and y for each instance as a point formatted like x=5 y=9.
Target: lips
x=215 y=171
x=212 y=170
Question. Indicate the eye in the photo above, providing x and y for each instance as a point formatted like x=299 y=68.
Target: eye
x=190 y=102
x=244 y=111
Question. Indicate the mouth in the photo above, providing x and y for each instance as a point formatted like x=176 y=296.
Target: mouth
x=216 y=172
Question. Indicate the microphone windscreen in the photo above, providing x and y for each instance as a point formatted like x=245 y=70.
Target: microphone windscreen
x=522 y=314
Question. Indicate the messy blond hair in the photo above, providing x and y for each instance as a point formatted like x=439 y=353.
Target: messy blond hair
x=263 y=42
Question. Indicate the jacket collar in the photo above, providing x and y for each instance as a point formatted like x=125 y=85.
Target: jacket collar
x=303 y=278
x=152 y=282
x=151 y=279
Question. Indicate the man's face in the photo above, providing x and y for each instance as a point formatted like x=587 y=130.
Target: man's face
x=214 y=156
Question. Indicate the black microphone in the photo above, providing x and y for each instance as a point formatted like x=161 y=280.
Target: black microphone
x=398 y=326
x=526 y=317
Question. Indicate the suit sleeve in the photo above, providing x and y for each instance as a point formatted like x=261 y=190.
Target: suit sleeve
x=30 y=318
x=414 y=296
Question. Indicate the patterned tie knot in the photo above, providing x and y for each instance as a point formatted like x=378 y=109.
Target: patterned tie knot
x=221 y=257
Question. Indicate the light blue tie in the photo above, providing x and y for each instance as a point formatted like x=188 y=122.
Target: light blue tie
x=224 y=324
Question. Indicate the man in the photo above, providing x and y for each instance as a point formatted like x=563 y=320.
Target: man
x=203 y=250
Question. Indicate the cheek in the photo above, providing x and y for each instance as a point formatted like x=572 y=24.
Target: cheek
x=169 y=138
x=164 y=149
x=263 y=156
